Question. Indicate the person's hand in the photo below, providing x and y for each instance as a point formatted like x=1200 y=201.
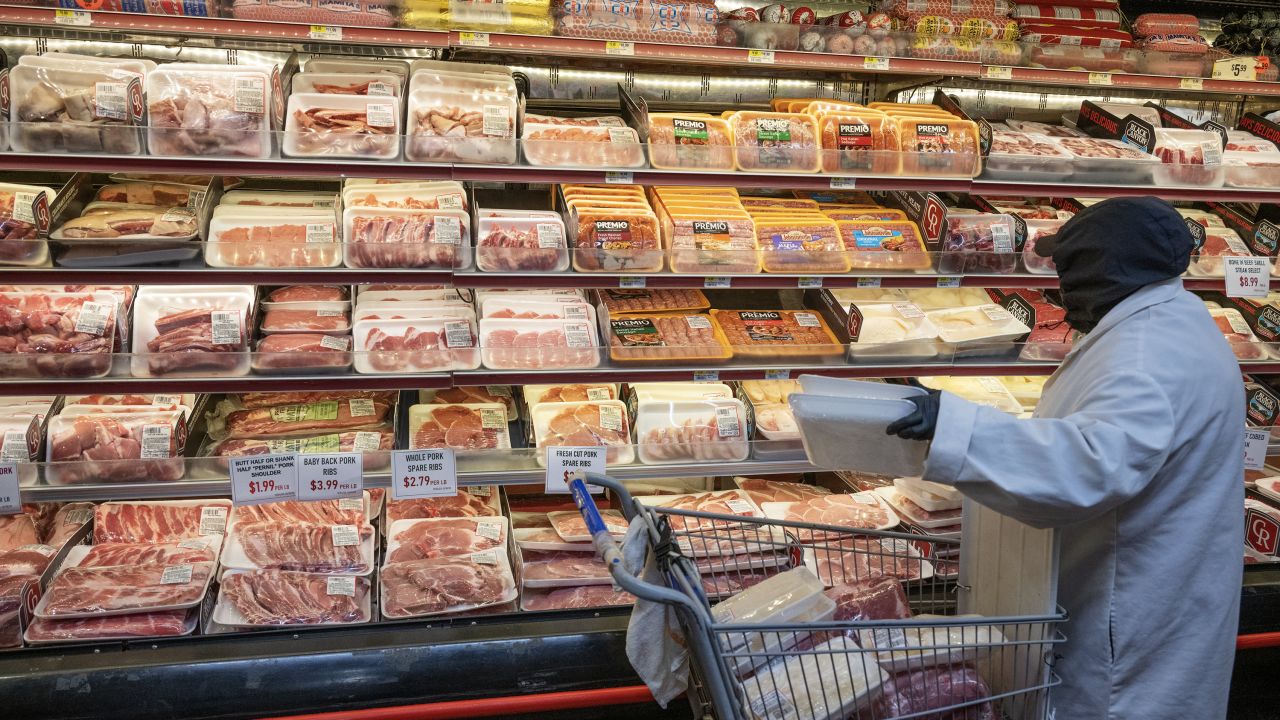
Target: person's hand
x=920 y=424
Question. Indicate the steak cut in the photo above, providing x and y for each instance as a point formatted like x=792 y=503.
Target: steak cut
x=272 y=597
x=116 y=554
x=143 y=522
x=931 y=688
x=437 y=585
x=445 y=537
x=873 y=598
x=569 y=598
x=304 y=548
x=166 y=623
x=463 y=504
x=85 y=591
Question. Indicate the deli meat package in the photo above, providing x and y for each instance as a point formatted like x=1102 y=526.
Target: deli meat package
x=584 y=424
x=82 y=106
x=258 y=598
x=159 y=521
x=433 y=586
x=82 y=592
x=456 y=116
x=196 y=328
x=57 y=334
x=342 y=126
x=210 y=110
x=358 y=13
x=116 y=447
x=445 y=537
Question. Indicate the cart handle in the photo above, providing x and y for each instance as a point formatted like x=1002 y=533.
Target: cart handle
x=607 y=549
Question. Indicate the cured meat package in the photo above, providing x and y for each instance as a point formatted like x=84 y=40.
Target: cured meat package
x=359 y=13
x=342 y=126
x=1027 y=157
x=692 y=23
x=461 y=117
x=262 y=598
x=194 y=328
x=210 y=110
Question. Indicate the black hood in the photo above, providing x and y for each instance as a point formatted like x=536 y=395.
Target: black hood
x=1111 y=250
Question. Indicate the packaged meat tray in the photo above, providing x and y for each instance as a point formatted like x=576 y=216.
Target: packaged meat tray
x=124 y=223
x=167 y=623
x=1037 y=229
x=923 y=645
x=884 y=245
x=266 y=598
x=697 y=431
x=346 y=511
x=1108 y=161
x=281 y=319
x=894 y=331
x=116 y=447
x=526 y=17
x=461 y=117
x=296 y=353
x=869 y=557
x=666 y=338
x=790 y=334
x=159 y=521
x=472 y=501
x=468 y=394
x=701 y=537
x=1023 y=157
x=861 y=142
x=299 y=419
x=192 y=550
x=19 y=231
x=359 y=13
x=435 y=586
x=1235 y=329
x=978 y=243
x=424 y=345
x=306 y=293
x=581 y=146
x=614 y=240
x=150 y=193
x=939 y=146
x=510 y=241
x=1188 y=157
x=692 y=23
x=374 y=444
x=981 y=330
x=1251 y=169
x=102 y=591
x=916 y=515
x=342 y=126
x=689 y=142
x=347 y=83
x=73 y=110
x=775 y=142
x=536 y=394
x=58 y=334
x=856 y=511
x=931 y=496
x=1082 y=35
x=546 y=539
x=471 y=426
x=329 y=64
x=278 y=199
x=301 y=547
x=243 y=240
x=192 y=329
x=763 y=490
x=532 y=307
x=710 y=241
x=571 y=528
x=429 y=538
x=209 y=111
x=584 y=424
x=1218 y=243
x=558 y=569
x=987 y=391
x=573 y=598
x=919 y=690
x=538 y=344
x=655 y=300
x=801 y=244
x=406 y=238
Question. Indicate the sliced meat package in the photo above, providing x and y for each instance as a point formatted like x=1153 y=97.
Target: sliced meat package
x=166 y=623
x=159 y=521
x=378 y=84
x=192 y=329
x=863 y=510
x=666 y=338
x=302 y=353
x=445 y=537
x=884 y=245
x=1188 y=157
x=697 y=431
x=439 y=585
x=1025 y=156
x=580 y=146
x=83 y=592
x=307 y=293
x=346 y=511
x=434 y=344
x=920 y=646
x=342 y=126
x=1030 y=259
x=257 y=598
x=472 y=426
x=876 y=598
x=332 y=549
x=193 y=550
x=282 y=319
x=708 y=537
x=584 y=424
x=302 y=419
x=763 y=490
x=509 y=344
x=851 y=560
x=116 y=447
x=570 y=526
x=560 y=569
x=250 y=239
x=359 y=13
x=472 y=501
x=406 y=238
x=573 y=598
x=461 y=117
x=210 y=110
x=57 y=334
x=516 y=241
x=28 y=560
x=84 y=110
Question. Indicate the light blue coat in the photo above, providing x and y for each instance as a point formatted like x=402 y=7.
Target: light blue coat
x=1136 y=454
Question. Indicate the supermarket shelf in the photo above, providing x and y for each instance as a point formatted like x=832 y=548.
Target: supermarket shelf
x=188 y=275
x=247 y=383
x=1127 y=81
x=1082 y=190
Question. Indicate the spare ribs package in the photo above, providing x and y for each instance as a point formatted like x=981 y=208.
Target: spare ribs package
x=200 y=329
x=342 y=126
x=462 y=427
x=584 y=424
x=272 y=598
x=471 y=501
x=334 y=549
x=456 y=116
x=521 y=241
x=397 y=237
x=116 y=447
x=86 y=105
x=58 y=334
x=212 y=110
x=77 y=592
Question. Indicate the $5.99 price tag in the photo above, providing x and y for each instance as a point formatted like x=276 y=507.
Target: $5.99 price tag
x=264 y=478
x=564 y=462
x=330 y=476
x=1247 y=276
x=424 y=473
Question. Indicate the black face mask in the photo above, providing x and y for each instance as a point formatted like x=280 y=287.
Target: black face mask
x=1113 y=249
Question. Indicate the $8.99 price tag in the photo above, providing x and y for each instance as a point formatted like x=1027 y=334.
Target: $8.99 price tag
x=564 y=462
x=1247 y=276
x=330 y=476
x=431 y=472
x=263 y=478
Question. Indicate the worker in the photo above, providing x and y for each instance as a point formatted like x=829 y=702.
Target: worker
x=1136 y=454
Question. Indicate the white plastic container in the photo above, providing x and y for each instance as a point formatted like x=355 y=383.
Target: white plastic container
x=241 y=94
x=348 y=83
x=489 y=419
x=538 y=344
x=278 y=199
x=425 y=345
x=378 y=140
x=974 y=331
x=243 y=240
x=1188 y=157
x=691 y=431
x=896 y=331
x=583 y=424
x=932 y=496
x=443 y=195
x=42 y=95
x=581 y=147
x=842 y=423
x=532 y=243
x=465 y=118
x=418 y=238
x=234 y=558
x=895 y=498
x=987 y=391
x=233 y=305
x=521 y=308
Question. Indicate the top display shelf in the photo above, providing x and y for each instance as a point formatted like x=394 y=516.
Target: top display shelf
x=109 y=25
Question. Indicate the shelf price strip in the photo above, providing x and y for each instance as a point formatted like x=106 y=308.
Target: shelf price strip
x=263 y=479
x=10 y=495
x=330 y=476
x=564 y=462
x=424 y=473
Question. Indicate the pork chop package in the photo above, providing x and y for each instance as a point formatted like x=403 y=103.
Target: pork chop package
x=470 y=501
x=541 y=569
x=464 y=427
x=691 y=431
x=708 y=537
x=438 y=343
x=863 y=510
x=510 y=344
x=116 y=447
x=338 y=549
x=198 y=329
x=57 y=334
x=445 y=537
x=575 y=597
x=267 y=598
x=342 y=126
x=79 y=109
x=521 y=241
x=546 y=539
x=440 y=585
x=583 y=424
x=284 y=240
x=373 y=84
x=302 y=353
x=210 y=110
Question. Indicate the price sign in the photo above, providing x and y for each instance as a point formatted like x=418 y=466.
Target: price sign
x=706 y=376
x=263 y=478
x=716 y=283
x=618 y=47
x=619 y=177
x=329 y=476
x=875 y=63
x=10 y=496
x=763 y=57
x=1255 y=449
x=78 y=18
x=563 y=462
x=809 y=283
x=423 y=473
x=872 y=283
x=1099 y=78
x=326 y=32
x=473 y=39
x=631 y=282
x=997 y=72
x=948 y=282
x=844 y=183
x=1247 y=276
x=1237 y=68
x=777 y=374
x=1191 y=84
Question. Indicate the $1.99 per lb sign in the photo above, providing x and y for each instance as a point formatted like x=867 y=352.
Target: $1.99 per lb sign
x=426 y=473
x=263 y=479
x=563 y=462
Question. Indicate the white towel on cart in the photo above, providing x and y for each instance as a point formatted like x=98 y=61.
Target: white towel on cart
x=655 y=644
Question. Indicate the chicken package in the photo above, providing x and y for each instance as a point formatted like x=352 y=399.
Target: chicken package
x=268 y=598
x=471 y=501
x=302 y=547
x=1037 y=229
x=808 y=243
x=87 y=592
x=20 y=223
x=573 y=598
x=106 y=223
x=296 y=353
x=165 y=623
x=252 y=240
x=192 y=329
x=434 y=586
x=579 y=146
x=1188 y=157
x=775 y=142
x=691 y=23
x=110 y=447
x=342 y=126
x=666 y=338
x=652 y=300
x=461 y=117
x=87 y=109
x=1239 y=335
x=1026 y=157
x=688 y=141
x=406 y=238
x=584 y=424
x=471 y=426
x=374 y=84
x=614 y=240
x=509 y=344
x=978 y=243
x=884 y=245
x=53 y=334
x=777 y=333
x=357 y=13
x=894 y=331
x=691 y=431
x=861 y=141
x=427 y=538
x=159 y=521
x=210 y=110
x=520 y=241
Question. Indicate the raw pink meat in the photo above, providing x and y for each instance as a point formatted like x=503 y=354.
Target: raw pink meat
x=66 y=521
x=916 y=513
x=83 y=591
x=289 y=320
x=713 y=502
x=30 y=560
x=307 y=293
x=150 y=522
x=548 y=535
x=316 y=512
x=586 y=596
x=536 y=350
x=298 y=351
x=919 y=691
x=464 y=504
x=167 y=623
x=556 y=565
x=580 y=426
x=722 y=584
x=184 y=341
x=298 y=420
x=340 y=442
x=763 y=491
x=100 y=442
x=402 y=241
x=18 y=530
x=873 y=598
x=572 y=528
x=865 y=557
x=145 y=554
x=272 y=597
x=843 y=510
x=304 y=548
x=436 y=585
x=39 y=335
x=441 y=538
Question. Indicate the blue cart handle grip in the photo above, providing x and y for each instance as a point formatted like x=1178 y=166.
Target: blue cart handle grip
x=605 y=546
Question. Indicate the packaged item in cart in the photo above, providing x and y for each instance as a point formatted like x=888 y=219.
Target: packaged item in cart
x=698 y=431
x=514 y=241
x=210 y=110
x=84 y=109
x=917 y=515
x=763 y=490
x=573 y=598
x=338 y=126
x=936 y=146
x=807 y=243
x=914 y=646
x=166 y=623
x=159 y=521
x=689 y=141
x=509 y=344
x=775 y=142
x=116 y=447
x=17 y=531
x=777 y=333
x=461 y=117
x=195 y=328
x=655 y=300
x=1188 y=157
x=865 y=141
x=253 y=240
x=471 y=501
x=301 y=547
x=666 y=338
x=257 y=598
x=867 y=557
x=472 y=426
x=58 y=334
x=920 y=690
x=863 y=510
x=559 y=145
x=884 y=245
x=584 y=424
x=85 y=592
x=357 y=13
x=374 y=84
x=978 y=243
x=434 y=586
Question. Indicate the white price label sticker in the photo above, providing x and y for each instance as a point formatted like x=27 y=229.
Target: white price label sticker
x=871 y=283
x=706 y=376
x=717 y=283
x=1099 y=78
x=10 y=496
x=340 y=585
x=457 y=334
x=550 y=235
x=611 y=418
x=157 y=441
x=14 y=447
x=1255 y=449
x=330 y=476
x=496 y=121
x=213 y=520
x=361 y=407
x=111 y=100
x=844 y=183
x=344 y=535
x=22 y=211
x=93 y=318
x=698 y=322
x=250 y=95
x=875 y=63
x=1191 y=83
x=78 y=18
x=762 y=57
x=263 y=478
x=997 y=72
x=176 y=575
x=948 y=282
x=809 y=283
x=473 y=39
x=325 y=32
x=333 y=342
x=225 y=327
x=727 y=424
x=448 y=231
x=564 y=462
x=908 y=311
x=381 y=115
x=631 y=282
x=319 y=232
x=381 y=89
x=423 y=473
x=619 y=177
x=619 y=47
x=488 y=557
x=1247 y=276
x=195 y=199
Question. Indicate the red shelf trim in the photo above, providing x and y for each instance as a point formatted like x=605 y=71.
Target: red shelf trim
x=492 y=707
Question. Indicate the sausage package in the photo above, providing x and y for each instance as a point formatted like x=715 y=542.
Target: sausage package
x=865 y=141
x=801 y=244
x=884 y=245
x=614 y=240
x=777 y=333
x=666 y=337
x=939 y=146
x=775 y=142
x=686 y=141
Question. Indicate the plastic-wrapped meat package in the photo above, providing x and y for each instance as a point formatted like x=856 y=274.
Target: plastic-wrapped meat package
x=874 y=598
x=692 y=23
x=406 y=238
x=19 y=231
x=463 y=428
x=862 y=141
x=1037 y=33
x=560 y=144
x=81 y=592
x=275 y=597
x=919 y=691
x=1235 y=329
x=970 y=25
x=375 y=443
x=1069 y=13
x=939 y=146
x=978 y=243
x=424 y=345
x=107 y=221
x=1219 y=242
x=775 y=142
x=541 y=569
x=18 y=530
x=848 y=561
x=1051 y=336
x=289 y=419
x=159 y=521
x=166 y=623
x=693 y=430
x=584 y=424
x=186 y=329
x=692 y=142
x=209 y=110
x=763 y=490
x=302 y=353
x=777 y=333
x=1188 y=157
x=710 y=241
x=280 y=319
x=573 y=598
x=866 y=511
x=123 y=447
x=82 y=110
x=538 y=344
x=1182 y=43
x=306 y=293
x=461 y=117
x=1035 y=230
x=884 y=245
x=666 y=338
x=300 y=547
x=514 y=241
x=1074 y=57
x=653 y=300
x=342 y=126
x=427 y=538
x=1108 y=161
x=66 y=522
x=1023 y=156
x=346 y=511
x=360 y=13
x=615 y=240
x=479 y=501
x=803 y=243
x=959 y=48
x=446 y=584
x=57 y=334
x=827 y=682
x=376 y=83
x=1248 y=168
x=525 y=17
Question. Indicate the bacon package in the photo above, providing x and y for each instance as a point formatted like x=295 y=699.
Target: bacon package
x=659 y=21
x=342 y=126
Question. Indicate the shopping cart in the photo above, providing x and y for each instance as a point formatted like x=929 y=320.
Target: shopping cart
x=940 y=666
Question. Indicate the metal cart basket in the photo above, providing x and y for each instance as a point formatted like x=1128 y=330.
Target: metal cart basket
x=926 y=663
